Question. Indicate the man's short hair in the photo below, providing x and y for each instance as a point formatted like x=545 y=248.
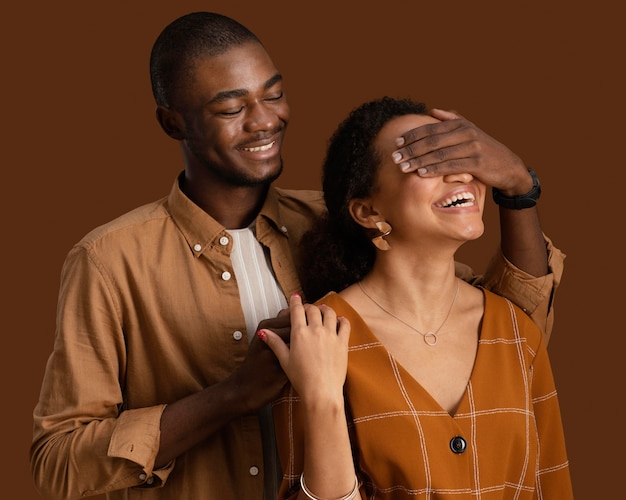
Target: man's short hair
x=183 y=41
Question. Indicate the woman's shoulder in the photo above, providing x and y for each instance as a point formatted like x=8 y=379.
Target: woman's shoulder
x=338 y=303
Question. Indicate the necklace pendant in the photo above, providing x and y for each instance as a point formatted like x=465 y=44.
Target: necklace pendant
x=430 y=338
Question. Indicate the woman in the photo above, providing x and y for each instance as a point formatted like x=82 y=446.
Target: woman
x=446 y=391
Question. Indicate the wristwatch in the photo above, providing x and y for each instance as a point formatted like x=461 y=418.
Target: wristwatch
x=521 y=201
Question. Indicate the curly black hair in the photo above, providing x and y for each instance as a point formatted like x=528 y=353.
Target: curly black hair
x=337 y=251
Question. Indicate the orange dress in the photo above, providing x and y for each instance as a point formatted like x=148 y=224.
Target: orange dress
x=504 y=441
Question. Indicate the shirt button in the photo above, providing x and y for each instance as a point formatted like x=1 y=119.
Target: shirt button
x=142 y=477
x=458 y=444
x=237 y=335
x=150 y=480
x=223 y=241
x=197 y=247
x=225 y=275
x=254 y=471
x=283 y=229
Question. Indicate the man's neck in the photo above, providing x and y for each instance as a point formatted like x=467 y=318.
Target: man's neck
x=234 y=207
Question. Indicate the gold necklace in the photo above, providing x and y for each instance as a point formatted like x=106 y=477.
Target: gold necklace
x=430 y=338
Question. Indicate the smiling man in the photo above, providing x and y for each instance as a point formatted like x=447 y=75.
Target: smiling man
x=158 y=386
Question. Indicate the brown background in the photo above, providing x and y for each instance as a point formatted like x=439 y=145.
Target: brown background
x=80 y=145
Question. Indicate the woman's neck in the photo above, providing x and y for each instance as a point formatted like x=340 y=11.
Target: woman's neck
x=424 y=284
x=422 y=267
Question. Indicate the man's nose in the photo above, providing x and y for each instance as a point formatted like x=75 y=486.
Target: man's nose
x=260 y=117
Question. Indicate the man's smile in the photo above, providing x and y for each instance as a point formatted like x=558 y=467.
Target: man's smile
x=257 y=149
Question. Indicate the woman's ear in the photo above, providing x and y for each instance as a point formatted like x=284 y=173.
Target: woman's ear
x=363 y=212
x=171 y=122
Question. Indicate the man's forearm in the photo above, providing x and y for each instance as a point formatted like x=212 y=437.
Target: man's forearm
x=192 y=419
x=522 y=240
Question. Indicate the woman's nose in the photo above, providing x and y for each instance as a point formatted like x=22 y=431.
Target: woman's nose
x=463 y=177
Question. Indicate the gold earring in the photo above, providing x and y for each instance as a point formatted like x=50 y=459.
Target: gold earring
x=379 y=241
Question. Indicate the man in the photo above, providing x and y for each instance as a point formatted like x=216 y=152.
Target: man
x=157 y=386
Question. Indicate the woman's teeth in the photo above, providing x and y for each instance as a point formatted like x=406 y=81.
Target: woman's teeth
x=465 y=199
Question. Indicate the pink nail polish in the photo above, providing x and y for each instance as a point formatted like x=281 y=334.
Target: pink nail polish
x=262 y=335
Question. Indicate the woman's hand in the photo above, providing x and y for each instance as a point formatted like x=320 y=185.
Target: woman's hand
x=316 y=359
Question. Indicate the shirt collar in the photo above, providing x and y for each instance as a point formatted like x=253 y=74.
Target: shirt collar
x=202 y=231
x=270 y=212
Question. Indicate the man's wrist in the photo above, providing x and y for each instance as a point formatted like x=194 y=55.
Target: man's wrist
x=518 y=202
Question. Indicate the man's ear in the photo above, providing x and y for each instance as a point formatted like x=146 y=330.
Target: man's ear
x=171 y=122
x=363 y=212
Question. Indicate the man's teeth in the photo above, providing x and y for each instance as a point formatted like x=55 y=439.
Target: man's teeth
x=260 y=148
x=465 y=199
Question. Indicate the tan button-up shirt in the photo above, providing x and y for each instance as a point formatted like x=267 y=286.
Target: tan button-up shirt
x=148 y=313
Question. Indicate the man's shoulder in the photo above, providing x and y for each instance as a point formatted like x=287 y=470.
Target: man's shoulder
x=301 y=195
x=298 y=208
x=130 y=222
x=304 y=201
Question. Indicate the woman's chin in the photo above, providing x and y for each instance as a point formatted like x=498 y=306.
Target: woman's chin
x=473 y=232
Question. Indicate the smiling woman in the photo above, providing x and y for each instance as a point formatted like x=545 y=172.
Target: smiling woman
x=468 y=411
x=416 y=206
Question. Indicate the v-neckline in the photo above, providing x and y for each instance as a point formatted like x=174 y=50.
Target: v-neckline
x=367 y=336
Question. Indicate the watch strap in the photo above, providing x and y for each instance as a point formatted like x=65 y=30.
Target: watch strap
x=521 y=201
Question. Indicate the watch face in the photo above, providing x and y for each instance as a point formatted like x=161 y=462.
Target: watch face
x=536 y=186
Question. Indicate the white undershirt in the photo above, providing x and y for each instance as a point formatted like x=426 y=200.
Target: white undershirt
x=261 y=298
x=259 y=292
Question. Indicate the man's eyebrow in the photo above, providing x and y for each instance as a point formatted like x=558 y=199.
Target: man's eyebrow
x=233 y=94
x=273 y=81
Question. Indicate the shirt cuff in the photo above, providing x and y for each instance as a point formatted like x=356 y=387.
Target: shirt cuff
x=136 y=438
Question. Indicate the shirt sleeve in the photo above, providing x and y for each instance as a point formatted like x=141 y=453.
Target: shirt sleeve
x=535 y=295
x=84 y=441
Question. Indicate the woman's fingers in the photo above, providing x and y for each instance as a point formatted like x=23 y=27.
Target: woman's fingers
x=316 y=358
x=276 y=344
x=296 y=311
x=343 y=328
x=305 y=316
